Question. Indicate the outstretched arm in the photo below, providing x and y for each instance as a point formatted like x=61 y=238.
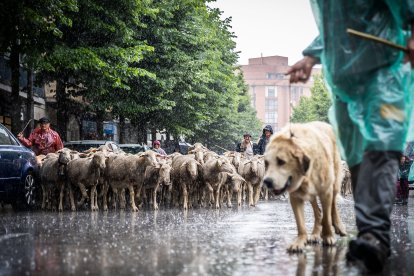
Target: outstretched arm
x=302 y=69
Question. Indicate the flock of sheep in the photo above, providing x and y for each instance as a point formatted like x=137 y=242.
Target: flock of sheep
x=200 y=178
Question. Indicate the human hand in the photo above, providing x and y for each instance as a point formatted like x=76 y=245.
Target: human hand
x=20 y=135
x=301 y=70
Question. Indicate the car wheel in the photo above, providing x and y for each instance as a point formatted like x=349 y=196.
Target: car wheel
x=27 y=199
x=30 y=190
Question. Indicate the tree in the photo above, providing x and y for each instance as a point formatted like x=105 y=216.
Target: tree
x=97 y=58
x=27 y=30
x=314 y=108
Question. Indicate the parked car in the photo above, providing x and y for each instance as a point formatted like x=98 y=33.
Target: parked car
x=83 y=145
x=182 y=148
x=19 y=185
x=133 y=148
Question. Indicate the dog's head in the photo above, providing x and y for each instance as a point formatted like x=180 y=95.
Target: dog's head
x=286 y=164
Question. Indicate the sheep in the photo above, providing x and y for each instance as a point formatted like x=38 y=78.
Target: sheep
x=253 y=172
x=234 y=158
x=156 y=177
x=126 y=172
x=186 y=172
x=84 y=172
x=346 y=186
x=215 y=173
x=233 y=184
x=53 y=174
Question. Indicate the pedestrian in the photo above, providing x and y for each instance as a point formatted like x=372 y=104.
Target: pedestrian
x=43 y=139
x=264 y=139
x=402 y=181
x=246 y=146
x=370 y=86
x=157 y=147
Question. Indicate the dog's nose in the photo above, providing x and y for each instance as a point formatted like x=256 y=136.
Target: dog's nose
x=268 y=182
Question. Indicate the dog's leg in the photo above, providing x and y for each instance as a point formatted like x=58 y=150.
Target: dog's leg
x=299 y=243
x=327 y=234
x=336 y=219
x=317 y=226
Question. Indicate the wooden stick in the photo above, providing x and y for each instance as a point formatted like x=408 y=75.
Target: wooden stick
x=377 y=39
x=26 y=125
x=222 y=148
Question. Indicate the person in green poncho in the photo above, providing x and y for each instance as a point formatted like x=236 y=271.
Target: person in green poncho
x=371 y=106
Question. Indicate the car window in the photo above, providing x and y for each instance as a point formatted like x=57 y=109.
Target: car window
x=5 y=138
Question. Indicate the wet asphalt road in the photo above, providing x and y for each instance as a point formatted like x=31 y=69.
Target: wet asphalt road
x=245 y=241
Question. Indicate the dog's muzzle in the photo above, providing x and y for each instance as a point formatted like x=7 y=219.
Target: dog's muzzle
x=269 y=184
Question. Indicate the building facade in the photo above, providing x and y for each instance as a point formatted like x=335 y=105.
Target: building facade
x=271 y=94
x=39 y=104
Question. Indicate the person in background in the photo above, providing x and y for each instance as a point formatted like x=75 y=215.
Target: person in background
x=157 y=147
x=402 y=181
x=42 y=140
x=246 y=146
x=264 y=139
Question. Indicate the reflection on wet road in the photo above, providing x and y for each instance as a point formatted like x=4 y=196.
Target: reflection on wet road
x=246 y=241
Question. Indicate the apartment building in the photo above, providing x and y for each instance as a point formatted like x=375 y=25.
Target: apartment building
x=271 y=94
x=39 y=103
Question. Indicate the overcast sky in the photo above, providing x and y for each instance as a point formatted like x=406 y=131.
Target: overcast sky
x=270 y=27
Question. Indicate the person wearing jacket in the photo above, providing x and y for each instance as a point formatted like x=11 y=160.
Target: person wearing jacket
x=42 y=140
x=264 y=139
x=157 y=148
x=246 y=146
x=370 y=83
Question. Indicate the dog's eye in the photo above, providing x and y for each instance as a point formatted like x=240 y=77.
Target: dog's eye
x=280 y=162
x=266 y=164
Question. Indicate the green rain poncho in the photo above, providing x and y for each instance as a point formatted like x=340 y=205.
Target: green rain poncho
x=370 y=85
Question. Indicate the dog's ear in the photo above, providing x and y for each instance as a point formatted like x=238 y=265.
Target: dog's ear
x=303 y=160
x=305 y=163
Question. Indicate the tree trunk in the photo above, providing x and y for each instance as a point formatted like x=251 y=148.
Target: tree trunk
x=153 y=134
x=29 y=102
x=99 y=125
x=61 y=112
x=142 y=132
x=121 y=129
x=16 y=126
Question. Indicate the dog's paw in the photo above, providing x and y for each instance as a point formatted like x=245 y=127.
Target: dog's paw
x=314 y=238
x=329 y=240
x=340 y=230
x=298 y=245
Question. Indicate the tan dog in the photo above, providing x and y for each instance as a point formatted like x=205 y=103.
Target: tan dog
x=303 y=160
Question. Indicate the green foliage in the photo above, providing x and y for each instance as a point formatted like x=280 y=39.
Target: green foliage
x=163 y=64
x=314 y=108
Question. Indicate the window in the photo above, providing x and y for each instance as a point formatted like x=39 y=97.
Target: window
x=295 y=93
x=5 y=138
x=253 y=96
x=271 y=118
x=6 y=121
x=275 y=76
x=271 y=104
x=271 y=92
